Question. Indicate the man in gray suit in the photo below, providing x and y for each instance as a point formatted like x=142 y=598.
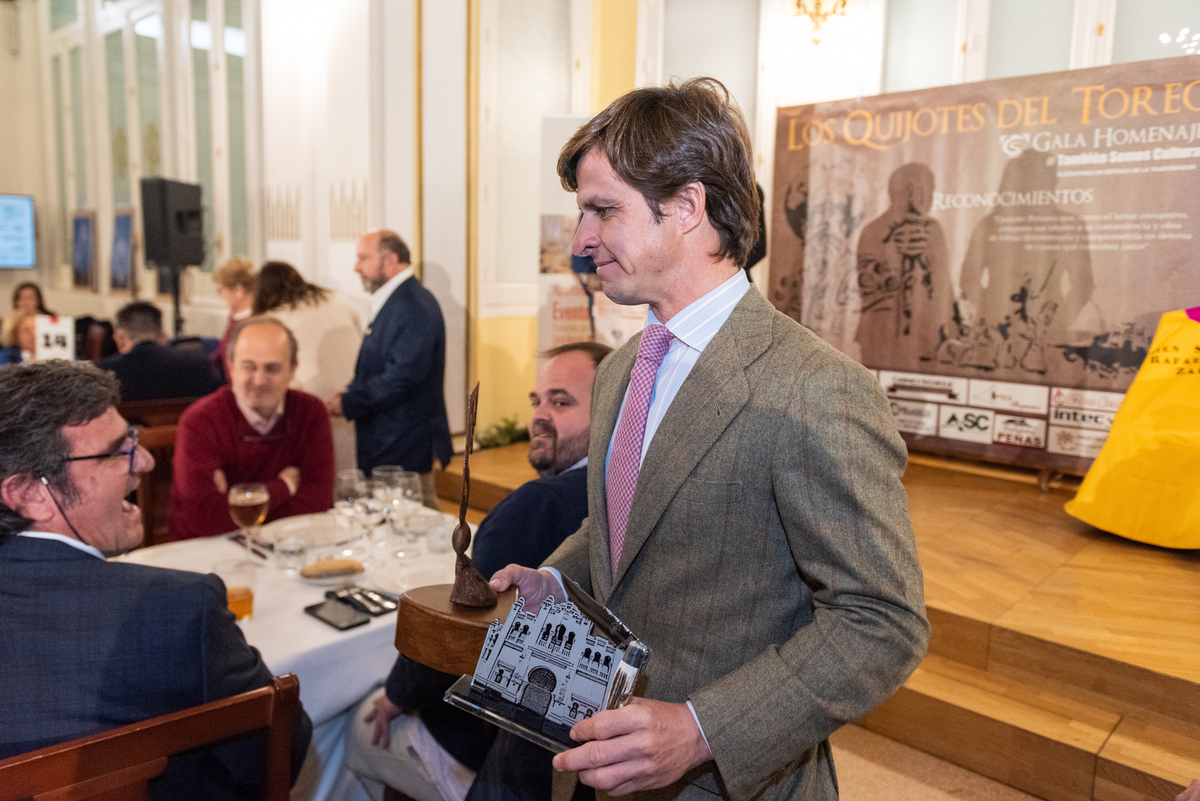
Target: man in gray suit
x=746 y=516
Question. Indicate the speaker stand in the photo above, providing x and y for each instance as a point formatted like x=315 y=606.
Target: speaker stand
x=176 y=277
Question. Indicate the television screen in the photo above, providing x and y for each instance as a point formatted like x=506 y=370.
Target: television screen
x=16 y=231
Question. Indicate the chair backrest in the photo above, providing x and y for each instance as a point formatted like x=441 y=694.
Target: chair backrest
x=154 y=412
x=154 y=489
x=117 y=764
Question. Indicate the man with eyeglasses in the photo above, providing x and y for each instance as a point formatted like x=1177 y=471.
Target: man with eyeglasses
x=86 y=644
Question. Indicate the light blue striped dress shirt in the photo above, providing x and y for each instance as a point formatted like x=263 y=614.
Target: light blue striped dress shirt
x=693 y=328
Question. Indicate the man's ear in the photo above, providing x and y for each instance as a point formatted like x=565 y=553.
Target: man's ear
x=689 y=205
x=25 y=496
x=122 y=340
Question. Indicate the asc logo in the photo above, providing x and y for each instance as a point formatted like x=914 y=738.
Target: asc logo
x=964 y=423
x=969 y=421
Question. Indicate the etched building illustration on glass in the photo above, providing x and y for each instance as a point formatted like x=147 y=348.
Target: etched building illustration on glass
x=547 y=662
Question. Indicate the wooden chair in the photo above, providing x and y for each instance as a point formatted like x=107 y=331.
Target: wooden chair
x=154 y=490
x=156 y=420
x=154 y=412
x=118 y=764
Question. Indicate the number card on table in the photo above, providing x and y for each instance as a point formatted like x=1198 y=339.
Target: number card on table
x=55 y=338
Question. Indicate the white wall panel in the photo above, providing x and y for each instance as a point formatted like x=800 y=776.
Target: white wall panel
x=714 y=38
x=394 y=91
x=444 y=136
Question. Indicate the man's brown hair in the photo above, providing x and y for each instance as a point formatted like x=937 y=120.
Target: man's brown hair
x=391 y=241
x=658 y=139
x=596 y=351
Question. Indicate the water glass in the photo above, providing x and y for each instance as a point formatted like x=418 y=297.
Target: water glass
x=347 y=485
x=418 y=525
x=240 y=576
x=439 y=538
x=402 y=487
x=290 y=552
x=370 y=511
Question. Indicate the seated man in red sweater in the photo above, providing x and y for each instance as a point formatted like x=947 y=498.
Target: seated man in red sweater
x=252 y=429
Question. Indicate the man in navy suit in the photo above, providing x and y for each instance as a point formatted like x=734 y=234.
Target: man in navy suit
x=433 y=752
x=395 y=399
x=88 y=645
x=149 y=369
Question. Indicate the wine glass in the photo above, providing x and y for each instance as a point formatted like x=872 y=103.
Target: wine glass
x=248 y=507
x=400 y=486
x=347 y=487
x=411 y=489
x=394 y=482
x=370 y=510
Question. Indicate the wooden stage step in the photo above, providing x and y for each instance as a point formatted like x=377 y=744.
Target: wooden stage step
x=495 y=472
x=1054 y=721
x=1054 y=739
x=1063 y=661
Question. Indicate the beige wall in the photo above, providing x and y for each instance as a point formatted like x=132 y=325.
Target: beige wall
x=22 y=165
x=506 y=363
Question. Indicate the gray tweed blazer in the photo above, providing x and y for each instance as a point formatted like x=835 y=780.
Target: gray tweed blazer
x=769 y=560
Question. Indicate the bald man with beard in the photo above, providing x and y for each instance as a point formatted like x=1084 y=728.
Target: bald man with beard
x=404 y=735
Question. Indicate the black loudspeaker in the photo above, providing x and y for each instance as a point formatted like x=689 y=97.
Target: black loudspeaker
x=172 y=222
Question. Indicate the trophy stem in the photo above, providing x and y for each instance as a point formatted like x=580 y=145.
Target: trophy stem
x=470 y=588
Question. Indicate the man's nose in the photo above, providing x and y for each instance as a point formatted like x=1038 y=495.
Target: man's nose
x=143 y=461
x=586 y=239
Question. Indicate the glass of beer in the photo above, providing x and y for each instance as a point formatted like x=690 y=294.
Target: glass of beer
x=239 y=576
x=248 y=508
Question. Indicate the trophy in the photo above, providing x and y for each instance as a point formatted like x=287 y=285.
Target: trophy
x=444 y=625
x=543 y=670
x=470 y=588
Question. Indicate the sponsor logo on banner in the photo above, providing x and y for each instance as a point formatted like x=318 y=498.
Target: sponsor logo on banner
x=915 y=417
x=1091 y=399
x=1009 y=397
x=917 y=386
x=1080 y=418
x=1076 y=441
x=965 y=423
x=1028 y=432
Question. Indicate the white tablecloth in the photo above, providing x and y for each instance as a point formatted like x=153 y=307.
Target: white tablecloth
x=336 y=668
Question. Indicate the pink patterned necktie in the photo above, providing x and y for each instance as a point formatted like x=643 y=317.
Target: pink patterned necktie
x=626 y=457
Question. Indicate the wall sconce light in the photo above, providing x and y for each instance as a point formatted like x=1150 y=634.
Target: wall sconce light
x=820 y=11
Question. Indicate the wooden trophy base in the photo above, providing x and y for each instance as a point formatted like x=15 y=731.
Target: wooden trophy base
x=443 y=635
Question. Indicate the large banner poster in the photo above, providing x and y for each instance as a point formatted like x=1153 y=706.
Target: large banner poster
x=998 y=252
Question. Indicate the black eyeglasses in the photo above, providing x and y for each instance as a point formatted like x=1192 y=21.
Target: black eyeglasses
x=131 y=437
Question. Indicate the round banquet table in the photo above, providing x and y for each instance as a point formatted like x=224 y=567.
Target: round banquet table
x=336 y=668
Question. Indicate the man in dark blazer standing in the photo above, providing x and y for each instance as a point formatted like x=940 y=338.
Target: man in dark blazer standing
x=147 y=368
x=745 y=513
x=396 y=398
x=86 y=644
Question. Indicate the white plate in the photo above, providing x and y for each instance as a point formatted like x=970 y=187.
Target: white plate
x=316 y=529
x=394 y=582
x=333 y=581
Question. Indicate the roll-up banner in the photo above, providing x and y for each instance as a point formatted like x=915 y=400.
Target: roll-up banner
x=999 y=253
